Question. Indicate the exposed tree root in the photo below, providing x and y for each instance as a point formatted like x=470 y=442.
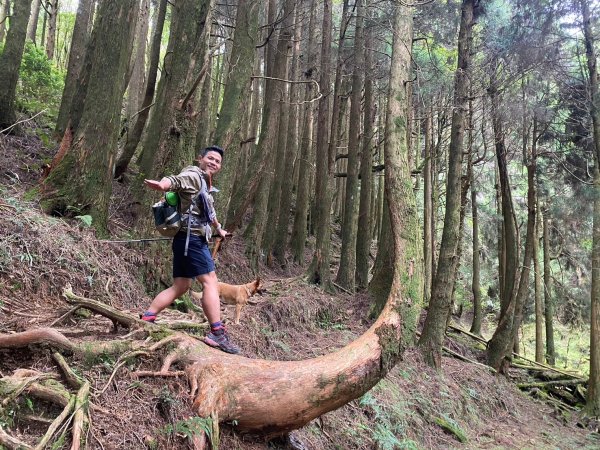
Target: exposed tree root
x=64 y=316
x=124 y=319
x=122 y=361
x=80 y=422
x=269 y=397
x=149 y=373
x=28 y=381
x=66 y=412
x=72 y=379
x=36 y=336
x=12 y=443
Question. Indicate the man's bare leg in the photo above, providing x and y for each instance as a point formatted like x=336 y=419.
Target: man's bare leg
x=169 y=295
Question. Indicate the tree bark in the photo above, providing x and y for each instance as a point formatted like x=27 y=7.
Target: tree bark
x=267 y=150
x=4 y=13
x=236 y=104
x=204 y=136
x=346 y=272
x=365 y=222
x=135 y=135
x=439 y=307
x=501 y=344
x=299 y=230
x=476 y=287
x=291 y=147
x=79 y=42
x=257 y=179
x=33 y=20
x=592 y=406
x=279 y=153
x=318 y=271
x=539 y=304
x=137 y=81
x=404 y=221
x=428 y=224
x=52 y=8
x=80 y=178
x=10 y=61
x=169 y=144
x=548 y=301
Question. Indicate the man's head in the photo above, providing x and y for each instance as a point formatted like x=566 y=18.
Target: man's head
x=210 y=158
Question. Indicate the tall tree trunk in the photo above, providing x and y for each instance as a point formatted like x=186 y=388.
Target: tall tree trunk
x=439 y=307
x=382 y=280
x=298 y=239
x=52 y=8
x=204 y=135
x=548 y=302
x=81 y=177
x=592 y=406
x=280 y=151
x=502 y=342
x=346 y=272
x=259 y=174
x=236 y=102
x=476 y=287
x=79 y=43
x=318 y=271
x=428 y=224
x=291 y=148
x=10 y=61
x=509 y=260
x=135 y=134
x=171 y=142
x=266 y=150
x=4 y=13
x=33 y=20
x=404 y=221
x=539 y=303
x=137 y=81
x=365 y=222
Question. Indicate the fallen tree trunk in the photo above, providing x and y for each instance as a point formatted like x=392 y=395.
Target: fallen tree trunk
x=554 y=383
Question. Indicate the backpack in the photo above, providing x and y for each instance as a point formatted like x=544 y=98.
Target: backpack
x=169 y=220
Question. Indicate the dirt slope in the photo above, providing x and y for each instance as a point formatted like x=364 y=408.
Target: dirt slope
x=413 y=408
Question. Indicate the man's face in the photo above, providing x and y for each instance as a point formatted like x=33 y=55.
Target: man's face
x=210 y=163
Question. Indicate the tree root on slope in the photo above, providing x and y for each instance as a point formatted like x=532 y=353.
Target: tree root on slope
x=44 y=387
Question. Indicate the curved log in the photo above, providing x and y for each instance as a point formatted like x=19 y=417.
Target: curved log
x=36 y=336
x=274 y=397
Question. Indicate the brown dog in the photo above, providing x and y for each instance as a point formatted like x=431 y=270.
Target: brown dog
x=234 y=294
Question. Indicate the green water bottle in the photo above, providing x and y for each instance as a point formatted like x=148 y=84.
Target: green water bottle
x=172 y=198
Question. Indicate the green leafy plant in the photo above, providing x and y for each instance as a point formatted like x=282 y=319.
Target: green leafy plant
x=192 y=427
x=40 y=83
x=86 y=220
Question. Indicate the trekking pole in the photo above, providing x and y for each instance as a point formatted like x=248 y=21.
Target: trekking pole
x=217 y=245
x=134 y=240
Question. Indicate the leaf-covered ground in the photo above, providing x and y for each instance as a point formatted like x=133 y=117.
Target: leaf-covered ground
x=465 y=406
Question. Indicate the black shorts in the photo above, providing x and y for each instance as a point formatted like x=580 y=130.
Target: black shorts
x=198 y=260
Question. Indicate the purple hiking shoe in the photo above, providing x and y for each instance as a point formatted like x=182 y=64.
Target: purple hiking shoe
x=220 y=339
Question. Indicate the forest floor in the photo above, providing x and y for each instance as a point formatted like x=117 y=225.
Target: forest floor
x=464 y=406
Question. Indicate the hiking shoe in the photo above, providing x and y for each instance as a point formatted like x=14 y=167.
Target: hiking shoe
x=220 y=339
x=148 y=317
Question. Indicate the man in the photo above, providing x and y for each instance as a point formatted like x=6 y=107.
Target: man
x=191 y=257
